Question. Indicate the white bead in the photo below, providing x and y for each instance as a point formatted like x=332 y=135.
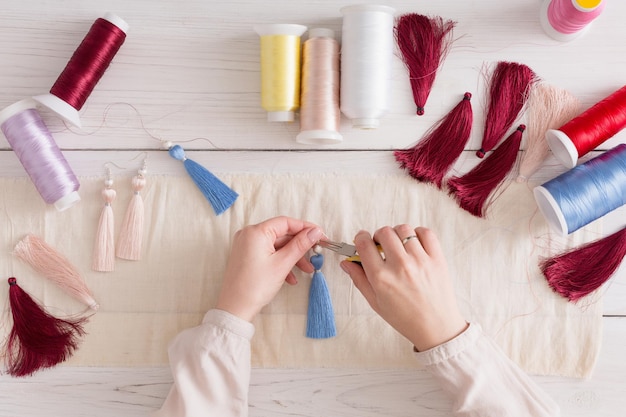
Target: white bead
x=167 y=144
x=108 y=182
x=142 y=172
x=317 y=249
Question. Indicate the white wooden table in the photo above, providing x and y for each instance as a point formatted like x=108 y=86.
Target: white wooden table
x=190 y=69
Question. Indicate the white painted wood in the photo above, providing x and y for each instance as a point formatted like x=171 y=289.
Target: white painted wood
x=130 y=392
x=191 y=70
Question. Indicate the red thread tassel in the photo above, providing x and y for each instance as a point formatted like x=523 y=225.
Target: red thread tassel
x=37 y=339
x=580 y=271
x=473 y=189
x=424 y=42
x=508 y=92
x=431 y=158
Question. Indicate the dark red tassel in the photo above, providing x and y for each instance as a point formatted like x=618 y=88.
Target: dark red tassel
x=509 y=89
x=423 y=42
x=431 y=158
x=473 y=189
x=580 y=271
x=37 y=340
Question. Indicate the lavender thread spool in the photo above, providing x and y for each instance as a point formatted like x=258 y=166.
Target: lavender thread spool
x=39 y=154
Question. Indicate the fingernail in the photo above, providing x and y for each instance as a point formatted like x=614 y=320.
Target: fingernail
x=315 y=235
x=344 y=266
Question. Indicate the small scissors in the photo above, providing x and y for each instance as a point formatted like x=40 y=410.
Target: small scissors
x=344 y=249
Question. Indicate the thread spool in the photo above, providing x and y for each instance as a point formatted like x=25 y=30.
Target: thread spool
x=280 y=70
x=42 y=159
x=366 y=54
x=565 y=20
x=584 y=193
x=319 y=113
x=590 y=129
x=85 y=68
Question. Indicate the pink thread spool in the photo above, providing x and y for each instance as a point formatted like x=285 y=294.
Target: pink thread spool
x=565 y=20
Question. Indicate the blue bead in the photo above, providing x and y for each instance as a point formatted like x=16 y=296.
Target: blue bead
x=177 y=152
x=317 y=261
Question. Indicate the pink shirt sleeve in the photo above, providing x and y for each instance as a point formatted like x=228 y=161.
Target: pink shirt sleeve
x=483 y=381
x=210 y=365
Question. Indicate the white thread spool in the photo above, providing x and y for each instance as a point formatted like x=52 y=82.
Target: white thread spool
x=319 y=104
x=366 y=55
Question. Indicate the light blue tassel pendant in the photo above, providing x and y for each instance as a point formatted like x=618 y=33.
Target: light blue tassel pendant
x=320 y=317
x=219 y=194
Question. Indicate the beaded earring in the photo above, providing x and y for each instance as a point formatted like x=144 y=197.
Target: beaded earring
x=104 y=247
x=131 y=233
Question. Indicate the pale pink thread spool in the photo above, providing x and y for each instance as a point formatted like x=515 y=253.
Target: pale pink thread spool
x=565 y=20
x=319 y=102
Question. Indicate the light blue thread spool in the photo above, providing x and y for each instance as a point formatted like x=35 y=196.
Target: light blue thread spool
x=585 y=193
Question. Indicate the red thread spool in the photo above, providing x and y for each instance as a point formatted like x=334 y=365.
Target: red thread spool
x=85 y=68
x=590 y=129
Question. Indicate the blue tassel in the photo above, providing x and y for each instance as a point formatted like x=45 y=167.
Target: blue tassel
x=219 y=194
x=320 y=322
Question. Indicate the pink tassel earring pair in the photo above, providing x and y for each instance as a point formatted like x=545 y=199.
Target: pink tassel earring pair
x=131 y=232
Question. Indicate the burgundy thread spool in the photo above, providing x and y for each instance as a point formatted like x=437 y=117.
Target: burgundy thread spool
x=85 y=68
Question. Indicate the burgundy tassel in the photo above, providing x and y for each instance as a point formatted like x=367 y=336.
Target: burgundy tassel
x=509 y=88
x=580 y=271
x=472 y=190
x=423 y=42
x=37 y=340
x=431 y=158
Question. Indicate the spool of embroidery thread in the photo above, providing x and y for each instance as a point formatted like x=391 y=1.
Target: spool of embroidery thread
x=366 y=54
x=85 y=68
x=590 y=129
x=584 y=193
x=565 y=20
x=280 y=70
x=319 y=114
x=42 y=159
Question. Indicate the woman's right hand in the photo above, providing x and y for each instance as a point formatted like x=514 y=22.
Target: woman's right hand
x=410 y=288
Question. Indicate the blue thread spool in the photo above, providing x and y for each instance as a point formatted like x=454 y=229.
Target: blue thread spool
x=584 y=193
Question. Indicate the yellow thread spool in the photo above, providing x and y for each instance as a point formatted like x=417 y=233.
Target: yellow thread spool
x=280 y=70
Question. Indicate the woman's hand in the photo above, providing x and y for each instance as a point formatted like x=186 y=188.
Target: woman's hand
x=409 y=288
x=261 y=259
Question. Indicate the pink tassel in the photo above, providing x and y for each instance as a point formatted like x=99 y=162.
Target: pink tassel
x=580 y=271
x=37 y=339
x=431 y=158
x=473 y=189
x=104 y=247
x=508 y=91
x=424 y=43
x=549 y=107
x=54 y=266
x=131 y=233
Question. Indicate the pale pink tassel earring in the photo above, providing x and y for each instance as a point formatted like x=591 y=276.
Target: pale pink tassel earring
x=54 y=266
x=549 y=107
x=131 y=233
x=104 y=248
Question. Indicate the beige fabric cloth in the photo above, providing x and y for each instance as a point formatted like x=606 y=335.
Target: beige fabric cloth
x=144 y=304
